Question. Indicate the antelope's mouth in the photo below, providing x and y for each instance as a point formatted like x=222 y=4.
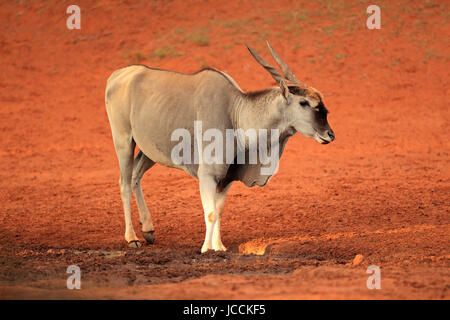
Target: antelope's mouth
x=323 y=139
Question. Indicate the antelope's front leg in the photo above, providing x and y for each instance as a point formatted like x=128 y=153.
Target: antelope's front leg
x=220 y=202
x=212 y=218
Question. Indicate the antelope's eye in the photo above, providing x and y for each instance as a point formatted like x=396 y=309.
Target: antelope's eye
x=304 y=103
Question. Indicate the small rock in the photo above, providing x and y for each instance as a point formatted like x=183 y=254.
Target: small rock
x=359 y=258
x=50 y=251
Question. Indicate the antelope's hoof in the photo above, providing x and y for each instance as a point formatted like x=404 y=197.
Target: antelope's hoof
x=148 y=236
x=220 y=248
x=134 y=244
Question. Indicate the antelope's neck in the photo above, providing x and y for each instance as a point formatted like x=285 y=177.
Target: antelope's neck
x=258 y=110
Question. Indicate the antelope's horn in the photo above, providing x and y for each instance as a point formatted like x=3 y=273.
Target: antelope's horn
x=273 y=72
x=288 y=75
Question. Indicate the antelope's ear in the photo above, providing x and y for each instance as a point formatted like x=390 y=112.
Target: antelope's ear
x=285 y=91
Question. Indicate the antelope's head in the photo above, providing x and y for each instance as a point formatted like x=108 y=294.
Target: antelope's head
x=303 y=106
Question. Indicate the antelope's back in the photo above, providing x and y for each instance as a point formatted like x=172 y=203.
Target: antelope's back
x=151 y=104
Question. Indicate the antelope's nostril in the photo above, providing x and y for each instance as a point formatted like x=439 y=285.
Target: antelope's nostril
x=331 y=134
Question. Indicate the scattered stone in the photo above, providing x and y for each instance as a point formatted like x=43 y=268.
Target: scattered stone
x=359 y=258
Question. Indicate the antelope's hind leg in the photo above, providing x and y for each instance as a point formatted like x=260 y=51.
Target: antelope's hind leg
x=124 y=145
x=141 y=164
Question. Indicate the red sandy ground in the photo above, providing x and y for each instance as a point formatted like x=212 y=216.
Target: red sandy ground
x=380 y=190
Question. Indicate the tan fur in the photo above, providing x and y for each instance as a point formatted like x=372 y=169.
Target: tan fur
x=211 y=217
x=313 y=94
x=219 y=212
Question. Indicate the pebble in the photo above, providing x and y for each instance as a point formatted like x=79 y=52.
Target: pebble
x=359 y=258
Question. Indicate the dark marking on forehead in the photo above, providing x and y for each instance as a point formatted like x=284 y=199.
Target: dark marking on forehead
x=312 y=94
x=305 y=92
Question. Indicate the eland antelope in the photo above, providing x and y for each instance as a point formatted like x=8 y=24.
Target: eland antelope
x=146 y=105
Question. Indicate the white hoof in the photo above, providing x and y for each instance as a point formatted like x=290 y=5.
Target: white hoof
x=219 y=247
x=205 y=247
